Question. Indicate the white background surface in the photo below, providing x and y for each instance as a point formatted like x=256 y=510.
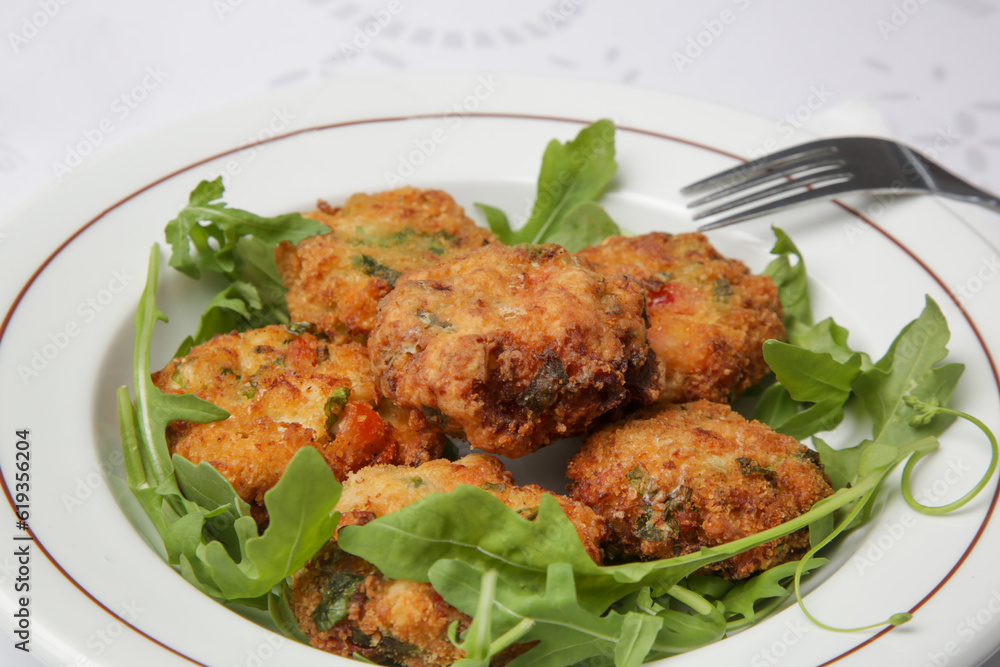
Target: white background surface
x=78 y=78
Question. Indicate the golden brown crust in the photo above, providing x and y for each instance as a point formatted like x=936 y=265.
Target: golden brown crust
x=385 y=619
x=381 y=489
x=709 y=315
x=396 y=620
x=336 y=280
x=513 y=347
x=674 y=478
x=286 y=389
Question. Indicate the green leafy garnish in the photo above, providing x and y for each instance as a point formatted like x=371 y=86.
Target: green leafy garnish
x=573 y=177
x=565 y=633
x=209 y=236
x=455 y=540
x=524 y=576
x=816 y=367
x=904 y=394
x=207 y=531
x=743 y=599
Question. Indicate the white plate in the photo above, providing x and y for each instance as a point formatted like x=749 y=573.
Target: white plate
x=74 y=263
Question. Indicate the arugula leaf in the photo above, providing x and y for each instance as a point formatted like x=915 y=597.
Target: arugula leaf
x=816 y=367
x=479 y=645
x=147 y=459
x=207 y=531
x=744 y=598
x=473 y=526
x=788 y=271
x=572 y=177
x=497 y=220
x=225 y=312
x=524 y=581
x=282 y=615
x=203 y=485
x=815 y=378
x=840 y=464
x=566 y=633
x=209 y=236
x=904 y=393
x=790 y=278
x=301 y=520
x=214 y=230
x=775 y=406
x=586 y=224
x=910 y=368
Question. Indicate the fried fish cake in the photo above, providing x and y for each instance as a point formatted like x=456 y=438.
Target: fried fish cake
x=673 y=478
x=513 y=347
x=347 y=606
x=709 y=315
x=285 y=389
x=335 y=280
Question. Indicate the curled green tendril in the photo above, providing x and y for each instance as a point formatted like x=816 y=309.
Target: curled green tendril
x=895 y=619
x=925 y=412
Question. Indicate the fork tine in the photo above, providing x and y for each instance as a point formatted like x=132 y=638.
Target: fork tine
x=765 y=164
x=778 y=189
x=795 y=168
x=781 y=204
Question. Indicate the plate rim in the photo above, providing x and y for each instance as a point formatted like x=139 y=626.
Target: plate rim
x=14 y=305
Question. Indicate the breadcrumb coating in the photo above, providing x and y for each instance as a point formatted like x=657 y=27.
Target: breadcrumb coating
x=514 y=347
x=347 y=606
x=335 y=280
x=285 y=389
x=709 y=315
x=672 y=478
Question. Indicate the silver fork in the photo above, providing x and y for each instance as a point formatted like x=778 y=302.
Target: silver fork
x=823 y=169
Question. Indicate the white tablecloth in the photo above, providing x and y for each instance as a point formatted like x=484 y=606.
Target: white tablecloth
x=78 y=78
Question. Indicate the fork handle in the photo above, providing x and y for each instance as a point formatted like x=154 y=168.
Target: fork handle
x=949 y=185
x=984 y=199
